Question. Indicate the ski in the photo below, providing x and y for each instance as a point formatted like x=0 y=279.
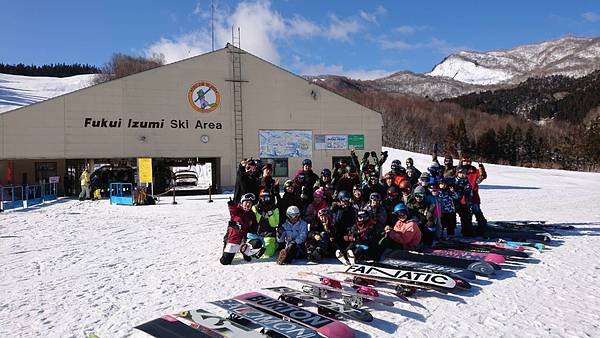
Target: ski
x=322 y=324
x=404 y=264
x=337 y=283
x=326 y=307
x=350 y=296
x=197 y=323
x=268 y=322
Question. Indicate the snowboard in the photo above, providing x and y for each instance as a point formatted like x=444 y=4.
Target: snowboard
x=280 y=326
x=469 y=264
x=322 y=324
x=532 y=225
x=476 y=247
x=327 y=307
x=521 y=236
x=479 y=256
x=197 y=323
x=404 y=264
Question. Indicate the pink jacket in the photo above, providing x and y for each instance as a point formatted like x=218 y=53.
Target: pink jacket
x=406 y=233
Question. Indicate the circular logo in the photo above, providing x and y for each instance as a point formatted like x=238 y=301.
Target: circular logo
x=204 y=97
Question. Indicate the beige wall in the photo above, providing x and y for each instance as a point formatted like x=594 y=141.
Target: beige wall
x=272 y=99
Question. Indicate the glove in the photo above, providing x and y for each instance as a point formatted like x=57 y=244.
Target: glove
x=317 y=237
x=366 y=155
x=280 y=231
x=373 y=154
x=230 y=202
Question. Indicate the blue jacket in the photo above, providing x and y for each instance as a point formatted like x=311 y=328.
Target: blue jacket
x=294 y=232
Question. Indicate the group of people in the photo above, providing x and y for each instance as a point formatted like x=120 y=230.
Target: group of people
x=352 y=212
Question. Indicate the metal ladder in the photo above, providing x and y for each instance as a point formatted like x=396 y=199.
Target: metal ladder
x=236 y=62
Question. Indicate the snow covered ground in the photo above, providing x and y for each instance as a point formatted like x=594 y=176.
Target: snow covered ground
x=17 y=91
x=73 y=267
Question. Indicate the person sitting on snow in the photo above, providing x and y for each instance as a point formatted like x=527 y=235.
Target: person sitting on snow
x=363 y=239
x=242 y=223
x=291 y=236
x=320 y=236
x=405 y=234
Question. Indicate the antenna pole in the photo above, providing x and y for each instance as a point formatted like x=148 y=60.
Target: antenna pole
x=212 y=24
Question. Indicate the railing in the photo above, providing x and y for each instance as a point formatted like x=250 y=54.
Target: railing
x=13 y=197
x=121 y=193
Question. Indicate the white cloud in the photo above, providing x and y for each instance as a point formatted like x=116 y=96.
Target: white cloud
x=372 y=16
x=342 y=29
x=303 y=28
x=182 y=47
x=410 y=29
x=323 y=69
x=435 y=44
x=591 y=16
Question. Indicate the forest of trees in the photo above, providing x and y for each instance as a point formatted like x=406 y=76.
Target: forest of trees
x=416 y=124
x=121 y=65
x=51 y=70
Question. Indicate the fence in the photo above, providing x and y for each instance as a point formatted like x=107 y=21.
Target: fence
x=13 y=197
x=121 y=193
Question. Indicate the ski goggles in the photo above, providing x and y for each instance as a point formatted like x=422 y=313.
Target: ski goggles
x=248 y=197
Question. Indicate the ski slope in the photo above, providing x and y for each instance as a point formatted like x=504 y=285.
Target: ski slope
x=74 y=267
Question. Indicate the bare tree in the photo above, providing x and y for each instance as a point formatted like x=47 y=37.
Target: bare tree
x=121 y=65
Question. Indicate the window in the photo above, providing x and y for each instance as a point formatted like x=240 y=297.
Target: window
x=280 y=166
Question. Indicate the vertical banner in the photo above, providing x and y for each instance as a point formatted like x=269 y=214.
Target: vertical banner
x=145 y=170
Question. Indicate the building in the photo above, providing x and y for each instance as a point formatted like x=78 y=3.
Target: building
x=214 y=108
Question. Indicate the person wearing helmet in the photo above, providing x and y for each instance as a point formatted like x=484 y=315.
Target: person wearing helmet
x=343 y=217
x=377 y=210
x=405 y=191
x=392 y=198
x=267 y=217
x=362 y=239
x=445 y=197
x=358 y=198
x=290 y=197
x=410 y=164
x=328 y=191
x=373 y=185
x=404 y=235
x=389 y=180
x=247 y=179
x=475 y=177
x=423 y=208
x=291 y=236
x=242 y=222
x=434 y=170
x=320 y=236
x=318 y=203
x=425 y=179
x=324 y=179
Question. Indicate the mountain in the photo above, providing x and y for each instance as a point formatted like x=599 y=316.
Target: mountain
x=569 y=56
x=472 y=72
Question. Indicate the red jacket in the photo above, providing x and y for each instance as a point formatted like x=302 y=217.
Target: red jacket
x=406 y=233
x=246 y=221
x=475 y=177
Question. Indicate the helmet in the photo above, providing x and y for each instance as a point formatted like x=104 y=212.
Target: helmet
x=400 y=208
x=357 y=187
x=410 y=162
x=375 y=196
x=443 y=181
x=323 y=212
x=373 y=174
x=288 y=183
x=397 y=163
x=318 y=193
x=392 y=191
x=419 y=191
x=425 y=175
x=362 y=215
x=434 y=168
x=326 y=172
x=307 y=161
x=405 y=186
x=248 y=197
x=343 y=196
x=293 y=211
x=465 y=158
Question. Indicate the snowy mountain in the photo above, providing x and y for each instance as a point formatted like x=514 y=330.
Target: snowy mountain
x=71 y=267
x=17 y=91
x=569 y=56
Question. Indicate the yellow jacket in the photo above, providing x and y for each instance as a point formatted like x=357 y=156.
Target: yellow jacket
x=85 y=178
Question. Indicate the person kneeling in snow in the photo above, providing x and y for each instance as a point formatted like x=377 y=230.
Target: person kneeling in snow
x=291 y=235
x=363 y=239
x=242 y=224
x=404 y=235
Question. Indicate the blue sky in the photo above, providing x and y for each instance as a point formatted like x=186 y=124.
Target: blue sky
x=360 y=39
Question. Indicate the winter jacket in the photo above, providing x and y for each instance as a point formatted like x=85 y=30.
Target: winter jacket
x=449 y=171
x=406 y=233
x=363 y=233
x=245 y=183
x=85 y=178
x=424 y=210
x=475 y=177
x=343 y=219
x=313 y=209
x=242 y=223
x=296 y=232
x=379 y=214
x=368 y=189
x=463 y=186
x=267 y=219
x=445 y=199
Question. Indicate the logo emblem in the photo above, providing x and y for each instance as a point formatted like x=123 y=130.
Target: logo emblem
x=204 y=97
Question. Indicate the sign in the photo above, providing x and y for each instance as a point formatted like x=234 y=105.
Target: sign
x=145 y=170
x=356 y=141
x=204 y=97
x=204 y=175
x=336 y=142
x=285 y=143
x=54 y=179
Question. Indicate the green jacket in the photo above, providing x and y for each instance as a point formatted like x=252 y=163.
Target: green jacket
x=268 y=221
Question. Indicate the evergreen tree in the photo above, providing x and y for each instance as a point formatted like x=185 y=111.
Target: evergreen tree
x=487 y=145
